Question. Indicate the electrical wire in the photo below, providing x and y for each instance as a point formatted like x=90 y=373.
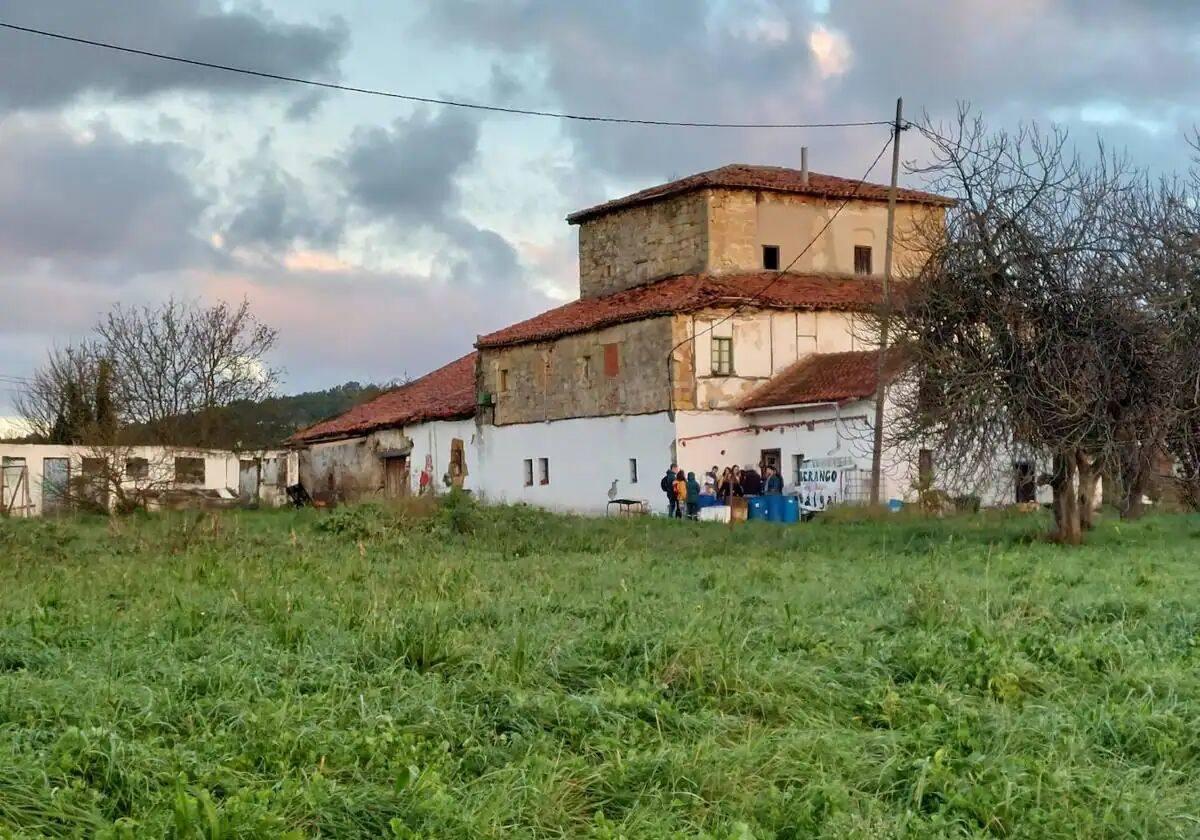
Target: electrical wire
x=453 y=103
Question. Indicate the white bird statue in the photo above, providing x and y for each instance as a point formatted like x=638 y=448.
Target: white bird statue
x=612 y=491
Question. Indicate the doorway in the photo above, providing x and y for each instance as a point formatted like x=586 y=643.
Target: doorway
x=768 y=458
x=56 y=477
x=395 y=477
x=248 y=476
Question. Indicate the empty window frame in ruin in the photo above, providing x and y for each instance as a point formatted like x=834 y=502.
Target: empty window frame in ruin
x=189 y=470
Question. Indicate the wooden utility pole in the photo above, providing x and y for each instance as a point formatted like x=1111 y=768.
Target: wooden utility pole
x=881 y=386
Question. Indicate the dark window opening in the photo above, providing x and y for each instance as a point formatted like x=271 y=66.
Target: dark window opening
x=1026 y=482
x=189 y=470
x=722 y=356
x=528 y=472
x=137 y=469
x=633 y=470
x=862 y=259
x=797 y=466
x=543 y=470
x=770 y=257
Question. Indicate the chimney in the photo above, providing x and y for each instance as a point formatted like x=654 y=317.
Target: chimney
x=804 y=166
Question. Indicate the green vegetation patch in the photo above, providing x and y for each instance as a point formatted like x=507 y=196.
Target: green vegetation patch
x=452 y=671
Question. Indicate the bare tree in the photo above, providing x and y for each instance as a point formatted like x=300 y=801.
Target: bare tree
x=165 y=371
x=1028 y=329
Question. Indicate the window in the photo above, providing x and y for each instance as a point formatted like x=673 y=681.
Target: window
x=797 y=467
x=722 y=356
x=528 y=472
x=771 y=257
x=543 y=470
x=585 y=368
x=862 y=259
x=633 y=470
x=189 y=470
x=612 y=360
x=137 y=469
x=502 y=380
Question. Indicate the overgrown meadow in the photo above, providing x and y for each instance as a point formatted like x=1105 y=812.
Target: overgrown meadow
x=467 y=672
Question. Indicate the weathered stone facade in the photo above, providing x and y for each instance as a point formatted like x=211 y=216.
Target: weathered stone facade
x=723 y=231
x=617 y=370
x=640 y=244
x=350 y=469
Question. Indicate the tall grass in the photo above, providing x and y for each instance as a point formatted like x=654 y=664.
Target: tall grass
x=451 y=671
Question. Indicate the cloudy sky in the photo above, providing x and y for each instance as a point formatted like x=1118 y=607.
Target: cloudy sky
x=380 y=237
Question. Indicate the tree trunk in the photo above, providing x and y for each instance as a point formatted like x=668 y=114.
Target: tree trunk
x=1134 y=473
x=1066 y=500
x=1089 y=473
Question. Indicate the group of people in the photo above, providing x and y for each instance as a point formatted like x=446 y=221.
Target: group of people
x=683 y=490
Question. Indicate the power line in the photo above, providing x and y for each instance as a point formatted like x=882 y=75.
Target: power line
x=429 y=100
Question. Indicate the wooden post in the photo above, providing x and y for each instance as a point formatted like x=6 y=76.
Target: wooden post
x=881 y=386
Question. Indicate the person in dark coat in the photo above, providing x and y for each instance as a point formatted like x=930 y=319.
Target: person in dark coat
x=668 y=486
x=693 y=496
x=752 y=483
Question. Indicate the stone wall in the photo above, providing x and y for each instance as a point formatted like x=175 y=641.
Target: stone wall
x=352 y=469
x=573 y=377
x=723 y=231
x=634 y=246
x=740 y=222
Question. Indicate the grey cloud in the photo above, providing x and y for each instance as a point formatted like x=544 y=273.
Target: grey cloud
x=408 y=171
x=278 y=212
x=97 y=201
x=40 y=73
x=751 y=62
x=408 y=175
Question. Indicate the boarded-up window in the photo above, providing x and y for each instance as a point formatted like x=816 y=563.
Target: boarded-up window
x=458 y=463
x=502 y=384
x=862 y=259
x=612 y=359
x=189 y=470
x=137 y=469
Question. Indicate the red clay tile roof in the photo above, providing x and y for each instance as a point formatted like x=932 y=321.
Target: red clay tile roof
x=446 y=394
x=691 y=292
x=824 y=377
x=770 y=178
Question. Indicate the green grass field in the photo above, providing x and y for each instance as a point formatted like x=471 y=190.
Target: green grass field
x=496 y=673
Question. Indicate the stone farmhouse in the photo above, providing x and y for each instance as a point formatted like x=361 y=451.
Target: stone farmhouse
x=688 y=343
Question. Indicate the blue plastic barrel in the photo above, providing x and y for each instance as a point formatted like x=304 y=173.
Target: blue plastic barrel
x=895 y=505
x=774 y=508
x=791 y=509
x=756 y=507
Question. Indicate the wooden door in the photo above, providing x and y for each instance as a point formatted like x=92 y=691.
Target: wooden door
x=395 y=477
x=248 y=475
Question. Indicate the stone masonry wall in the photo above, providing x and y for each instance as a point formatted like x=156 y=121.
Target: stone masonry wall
x=571 y=377
x=631 y=247
x=740 y=222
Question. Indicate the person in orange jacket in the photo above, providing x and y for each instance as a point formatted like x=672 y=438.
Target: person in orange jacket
x=681 y=494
